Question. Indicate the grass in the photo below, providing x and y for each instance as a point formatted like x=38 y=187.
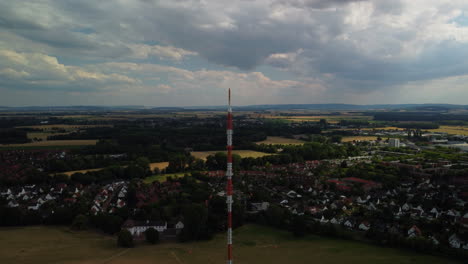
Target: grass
x=242 y=153
x=58 y=147
x=252 y=244
x=47 y=143
x=63 y=127
x=281 y=140
x=454 y=130
x=162 y=177
x=358 y=138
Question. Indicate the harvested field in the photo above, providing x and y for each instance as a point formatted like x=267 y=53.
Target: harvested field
x=242 y=153
x=159 y=165
x=253 y=244
x=453 y=130
x=358 y=138
x=281 y=140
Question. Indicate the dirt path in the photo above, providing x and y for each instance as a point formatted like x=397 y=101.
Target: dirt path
x=177 y=258
x=115 y=256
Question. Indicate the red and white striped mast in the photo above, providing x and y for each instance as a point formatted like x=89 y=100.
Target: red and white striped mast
x=229 y=175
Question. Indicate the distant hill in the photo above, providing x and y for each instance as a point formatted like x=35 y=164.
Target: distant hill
x=411 y=107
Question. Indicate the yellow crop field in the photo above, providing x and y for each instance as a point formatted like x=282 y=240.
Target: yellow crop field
x=70 y=173
x=281 y=140
x=454 y=130
x=242 y=153
x=47 y=143
x=358 y=138
x=159 y=165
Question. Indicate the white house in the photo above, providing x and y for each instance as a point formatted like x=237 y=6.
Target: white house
x=348 y=224
x=138 y=228
x=414 y=231
x=364 y=226
x=454 y=241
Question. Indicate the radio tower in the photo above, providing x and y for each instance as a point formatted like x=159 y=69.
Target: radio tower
x=229 y=175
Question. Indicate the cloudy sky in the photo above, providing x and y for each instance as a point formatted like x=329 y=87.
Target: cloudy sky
x=182 y=52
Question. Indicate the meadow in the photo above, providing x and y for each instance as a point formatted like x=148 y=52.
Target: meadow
x=242 y=153
x=162 y=177
x=281 y=141
x=252 y=244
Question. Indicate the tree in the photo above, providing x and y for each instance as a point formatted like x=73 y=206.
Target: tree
x=152 y=236
x=125 y=239
x=80 y=222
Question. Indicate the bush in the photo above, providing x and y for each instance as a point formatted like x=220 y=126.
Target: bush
x=125 y=239
x=152 y=236
x=80 y=222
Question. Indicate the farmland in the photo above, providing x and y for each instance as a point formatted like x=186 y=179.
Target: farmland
x=242 y=153
x=159 y=165
x=154 y=165
x=252 y=244
x=454 y=130
x=48 y=143
x=358 y=138
x=281 y=140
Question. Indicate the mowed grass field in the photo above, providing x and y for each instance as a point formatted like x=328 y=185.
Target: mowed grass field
x=281 y=140
x=163 y=177
x=242 y=153
x=252 y=244
x=358 y=138
x=454 y=130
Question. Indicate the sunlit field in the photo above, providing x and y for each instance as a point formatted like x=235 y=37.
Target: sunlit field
x=242 y=153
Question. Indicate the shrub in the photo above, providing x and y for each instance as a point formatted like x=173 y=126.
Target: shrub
x=125 y=239
x=152 y=236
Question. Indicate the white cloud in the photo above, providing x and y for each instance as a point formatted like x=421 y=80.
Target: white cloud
x=141 y=51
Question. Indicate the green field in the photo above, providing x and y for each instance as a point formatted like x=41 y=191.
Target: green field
x=252 y=244
x=162 y=177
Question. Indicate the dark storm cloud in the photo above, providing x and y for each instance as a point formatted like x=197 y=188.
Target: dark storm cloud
x=357 y=44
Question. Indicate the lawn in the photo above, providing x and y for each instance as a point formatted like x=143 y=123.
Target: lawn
x=242 y=153
x=252 y=244
x=281 y=140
